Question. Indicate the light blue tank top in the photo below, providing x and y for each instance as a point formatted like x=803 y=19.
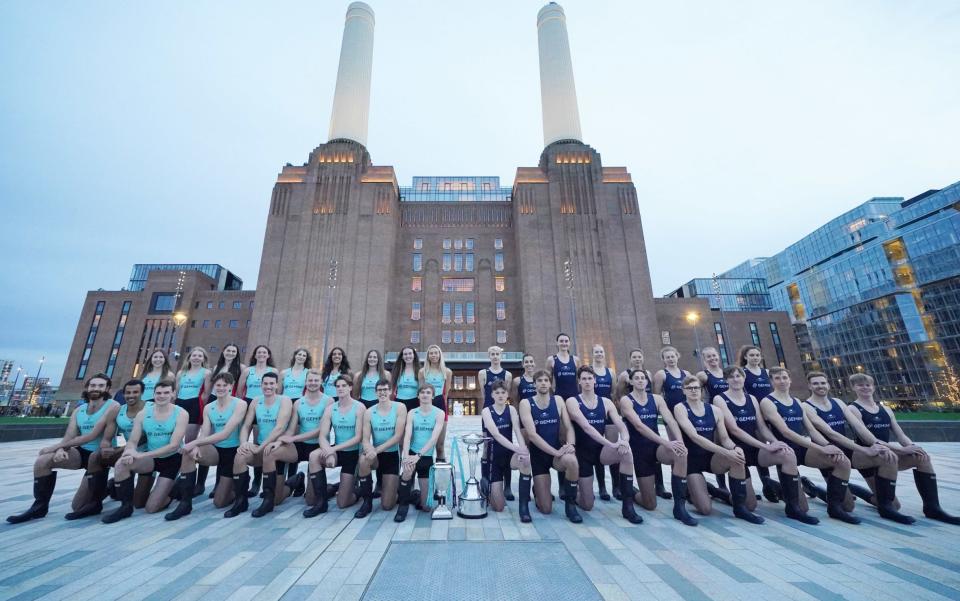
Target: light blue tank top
x=368 y=387
x=407 y=386
x=253 y=381
x=423 y=424
x=86 y=422
x=345 y=424
x=437 y=380
x=330 y=384
x=159 y=433
x=125 y=425
x=219 y=420
x=309 y=416
x=293 y=385
x=149 y=383
x=190 y=384
x=384 y=427
x=266 y=417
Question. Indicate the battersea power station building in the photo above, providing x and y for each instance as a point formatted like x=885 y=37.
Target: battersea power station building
x=353 y=259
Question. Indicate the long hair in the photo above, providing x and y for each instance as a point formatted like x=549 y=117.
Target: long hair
x=328 y=363
x=306 y=364
x=253 y=355
x=381 y=373
x=441 y=365
x=400 y=365
x=166 y=371
x=234 y=368
x=742 y=354
x=186 y=366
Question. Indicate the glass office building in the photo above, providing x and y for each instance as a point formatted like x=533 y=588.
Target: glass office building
x=877 y=290
x=454 y=189
x=226 y=280
x=728 y=294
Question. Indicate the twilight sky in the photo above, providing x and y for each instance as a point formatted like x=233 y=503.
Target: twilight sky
x=153 y=132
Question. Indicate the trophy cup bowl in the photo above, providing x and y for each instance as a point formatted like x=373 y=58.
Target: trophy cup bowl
x=472 y=505
x=442 y=475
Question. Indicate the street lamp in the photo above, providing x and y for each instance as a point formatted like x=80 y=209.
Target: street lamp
x=692 y=318
x=568 y=278
x=178 y=320
x=331 y=286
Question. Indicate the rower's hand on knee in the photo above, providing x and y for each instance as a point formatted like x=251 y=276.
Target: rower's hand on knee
x=678 y=448
x=60 y=455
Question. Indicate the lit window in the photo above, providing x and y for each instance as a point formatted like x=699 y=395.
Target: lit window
x=501 y=310
x=234 y=323
x=457 y=284
x=164 y=303
x=415 y=337
x=417 y=243
x=417 y=262
x=664 y=337
x=447 y=261
x=458 y=262
x=775 y=333
x=217 y=323
x=458 y=382
x=416 y=284
x=721 y=345
x=458 y=244
x=498 y=243
x=470 y=336
x=755 y=334
x=472 y=381
x=447 y=244
x=500 y=283
x=237 y=304
x=458 y=336
x=221 y=304
x=468 y=244
x=209 y=304
x=471 y=317
x=415 y=311
x=206 y=323
x=501 y=336
x=445 y=336
x=445 y=313
x=248 y=323
x=458 y=313
x=498 y=262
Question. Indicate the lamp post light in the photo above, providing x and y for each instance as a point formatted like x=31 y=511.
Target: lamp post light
x=692 y=318
x=178 y=320
x=568 y=278
x=331 y=286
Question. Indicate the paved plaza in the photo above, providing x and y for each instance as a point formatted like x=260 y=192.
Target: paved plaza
x=334 y=556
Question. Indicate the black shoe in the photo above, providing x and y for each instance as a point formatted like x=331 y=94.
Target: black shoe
x=627 y=509
x=318 y=482
x=790 y=487
x=886 y=494
x=771 y=489
x=862 y=493
x=42 y=492
x=927 y=487
x=678 y=485
x=507 y=480
x=738 y=497
x=366 y=496
x=403 y=500
x=187 y=484
x=125 y=494
x=570 y=501
x=111 y=489
x=836 y=493
x=658 y=480
x=240 y=503
x=720 y=494
x=297 y=484
x=815 y=492
x=524 y=506
x=269 y=487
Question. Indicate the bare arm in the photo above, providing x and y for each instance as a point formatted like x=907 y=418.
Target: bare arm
x=630 y=415
x=576 y=416
x=357 y=433
x=526 y=416
x=325 y=423
x=611 y=409
x=658 y=382
x=683 y=421
x=242 y=385
x=731 y=426
x=207 y=437
x=491 y=427
x=772 y=416
x=434 y=436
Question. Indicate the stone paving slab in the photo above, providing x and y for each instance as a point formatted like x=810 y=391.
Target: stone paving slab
x=284 y=556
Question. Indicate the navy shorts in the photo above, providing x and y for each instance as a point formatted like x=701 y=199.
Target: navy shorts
x=441 y=403
x=388 y=463
x=697 y=463
x=644 y=459
x=540 y=462
x=752 y=455
x=304 y=449
x=192 y=407
x=499 y=466
x=84 y=457
x=167 y=467
x=410 y=404
x=225 y=457
x=588 y=456
x=347 y=460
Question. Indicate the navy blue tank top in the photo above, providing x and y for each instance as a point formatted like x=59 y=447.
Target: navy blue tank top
x=792 y=416
x=525 y=388
x=746 y=415
x=597 y=418
x=546 y=422
x=715 y=385
x=604 y=385
x=488 y=385
x=649 y=415
x=673 y=388
x=705 y=425
x=833 y=417
x=758 y=386
x=505 y=427
x=878 y=423
x=565 y=378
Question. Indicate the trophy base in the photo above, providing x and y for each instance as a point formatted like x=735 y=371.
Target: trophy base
x=472 y=509
x=441 y=512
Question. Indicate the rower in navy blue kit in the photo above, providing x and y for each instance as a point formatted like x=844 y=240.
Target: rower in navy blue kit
x=563 y=366
x=711 y=378
x=757 y=383
x=709 y=449
x=500 y=423
x=624 y=387
x=590 y=415
x=760 y=447
x=550 y=439
x=604 y=387
x=668 y=382
x=383 y=428
x=524 y=386
x=789 y=423
x=494 y=373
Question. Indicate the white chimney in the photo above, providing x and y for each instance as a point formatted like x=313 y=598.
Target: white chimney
x=351 y=100
x=558 y=94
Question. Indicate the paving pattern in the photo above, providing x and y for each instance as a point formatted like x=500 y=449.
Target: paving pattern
x=334 y=556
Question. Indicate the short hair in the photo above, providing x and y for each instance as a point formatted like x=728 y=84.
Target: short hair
x=163 y=384
x=433 y=390
x=313 y=371
x=860 y=379
x=345 y=377
x=562 y=334
x=270 y=374
x=669 y=348
x=382 y=382
x=709 y=348
x=817 y=374
x=497 y=385
x=494 y=348
x=633 y=372
x=135 y=382
x=778 y=370
x=733 y=369
x=225 y=377
x=692 y=378
x=585 y=369
x=542 y=373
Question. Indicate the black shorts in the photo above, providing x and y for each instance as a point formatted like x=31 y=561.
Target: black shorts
x=410 y=404
x=752 y=455
x=84 y=457
x=388 y=463
x=441 y=403
x=499 y=466
x=225 y=456
x=368 y=404
x=697 y=463
x=540 y=462
x=588 y=456
x=801 y=453
x=192 y=407
x=167 y=467
x=304 y=449
x=423 y=465
x=347 y=460
x=644 y=459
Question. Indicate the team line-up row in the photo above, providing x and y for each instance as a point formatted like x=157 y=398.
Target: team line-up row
x=565 y=420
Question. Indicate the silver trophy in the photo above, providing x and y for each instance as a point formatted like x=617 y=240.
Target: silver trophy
x=442 y=476
x=472 y=504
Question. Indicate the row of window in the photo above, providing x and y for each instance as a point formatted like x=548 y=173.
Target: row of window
x=461 y=312
x=458 y=337
x=222 y=305
x=457 y=284
x=754 y=336
x=454 y=262
x=218 y=323
x=457 y=243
